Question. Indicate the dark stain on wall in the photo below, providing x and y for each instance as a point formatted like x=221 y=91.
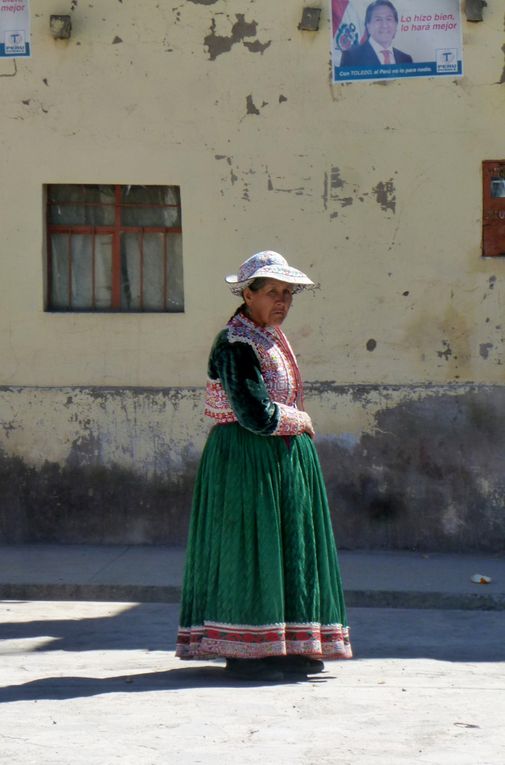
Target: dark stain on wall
x=219 y=44
x=251 y=108
x=385 y=194
x=484 y=349
x=336 y=184
x=338 y=191
x=446 y=353
x=85 y=503
x=429 y=478
x=257 y=46
x=336 y=180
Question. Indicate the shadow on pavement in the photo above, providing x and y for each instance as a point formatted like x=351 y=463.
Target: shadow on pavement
x=384 y=633
x=144 y=626
x=62 y=688
x=456 y=636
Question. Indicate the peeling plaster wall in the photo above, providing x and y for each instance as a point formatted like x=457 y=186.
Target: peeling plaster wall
x=406 y=467
x=375 y=189
x=98 y=465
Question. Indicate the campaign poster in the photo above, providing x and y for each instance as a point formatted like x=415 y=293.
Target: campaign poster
x=385 y=40
x=14 y=29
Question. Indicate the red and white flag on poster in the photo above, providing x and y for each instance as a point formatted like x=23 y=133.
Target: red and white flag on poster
x=347 y=27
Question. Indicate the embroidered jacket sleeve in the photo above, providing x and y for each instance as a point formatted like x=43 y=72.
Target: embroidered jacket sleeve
x=238 y=368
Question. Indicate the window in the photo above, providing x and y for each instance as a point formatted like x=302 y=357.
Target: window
x=493 y=218
x=114 y=248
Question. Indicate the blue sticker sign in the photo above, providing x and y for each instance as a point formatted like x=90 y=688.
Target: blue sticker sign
x=14 y=29
x=384 y=40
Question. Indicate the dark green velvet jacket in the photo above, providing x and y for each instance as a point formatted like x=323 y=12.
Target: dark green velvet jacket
x=237 y=366
x=253 y=378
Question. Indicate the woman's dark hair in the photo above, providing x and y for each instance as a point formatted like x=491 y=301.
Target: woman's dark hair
x=376 y=4
x=258 y=283
x=254 y=286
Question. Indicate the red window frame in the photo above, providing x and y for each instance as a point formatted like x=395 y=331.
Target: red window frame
x=115 y=230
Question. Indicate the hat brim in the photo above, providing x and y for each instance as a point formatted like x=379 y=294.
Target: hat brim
x=290 y=275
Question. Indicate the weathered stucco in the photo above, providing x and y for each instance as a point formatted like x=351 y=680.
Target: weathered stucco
x=406 y=467
x=373 y=188
x=98 y=465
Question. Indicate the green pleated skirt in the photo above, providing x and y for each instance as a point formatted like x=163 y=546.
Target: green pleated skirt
x=261 y=576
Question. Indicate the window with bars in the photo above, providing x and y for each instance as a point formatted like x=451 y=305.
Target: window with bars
x=114 y=248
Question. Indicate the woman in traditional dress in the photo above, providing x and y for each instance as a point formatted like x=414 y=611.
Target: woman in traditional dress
x=262 y=586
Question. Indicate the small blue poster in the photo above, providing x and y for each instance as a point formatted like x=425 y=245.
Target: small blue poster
x=14 y=29
x=385 y=40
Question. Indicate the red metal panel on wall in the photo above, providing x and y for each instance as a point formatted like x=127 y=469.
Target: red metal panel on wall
x=493 y=212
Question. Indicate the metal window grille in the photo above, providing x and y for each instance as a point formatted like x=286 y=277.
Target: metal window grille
x=114 y=248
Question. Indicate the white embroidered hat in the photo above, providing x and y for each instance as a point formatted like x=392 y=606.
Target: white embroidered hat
x=270 y=265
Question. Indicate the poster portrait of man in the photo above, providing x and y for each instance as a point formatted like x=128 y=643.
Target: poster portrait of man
x=382 y=39
x=381 y=24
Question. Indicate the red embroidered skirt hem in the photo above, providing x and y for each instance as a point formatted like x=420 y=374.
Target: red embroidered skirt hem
x=250 y=642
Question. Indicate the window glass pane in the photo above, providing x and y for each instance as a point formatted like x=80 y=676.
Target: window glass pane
x=76 y=205
x=64 y=192
x=151 y=206
x=175 y=284
x=100 y=194
x=498 y=187
x=103 y=271
x=58 y=288
x=130 y=272
x=82 y=276
x=81 y=279
x=153 y=272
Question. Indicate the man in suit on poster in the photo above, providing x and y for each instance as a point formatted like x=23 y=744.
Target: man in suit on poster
x=381 y=23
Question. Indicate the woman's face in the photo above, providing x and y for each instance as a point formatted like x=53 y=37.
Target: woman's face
x=269 y=305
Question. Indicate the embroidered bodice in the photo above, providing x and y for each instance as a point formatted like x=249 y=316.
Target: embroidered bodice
x=253 y=379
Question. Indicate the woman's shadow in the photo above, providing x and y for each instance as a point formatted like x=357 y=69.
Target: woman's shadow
x=207 y=676
x=444 y=636
x=140 y=626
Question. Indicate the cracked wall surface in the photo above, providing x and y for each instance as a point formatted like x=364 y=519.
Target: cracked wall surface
x=406 y=467
x=375 y=190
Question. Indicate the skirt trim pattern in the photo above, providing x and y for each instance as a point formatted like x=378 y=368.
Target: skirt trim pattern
x=213 y=639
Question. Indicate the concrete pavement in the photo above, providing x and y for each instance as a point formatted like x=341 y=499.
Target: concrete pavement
x=97 y=684
x=154 y=574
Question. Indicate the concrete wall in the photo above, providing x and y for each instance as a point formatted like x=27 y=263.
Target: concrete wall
x=374 y=189
x=417 y=467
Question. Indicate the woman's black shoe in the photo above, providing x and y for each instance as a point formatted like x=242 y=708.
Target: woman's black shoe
x=253 y=669
x=301 y=665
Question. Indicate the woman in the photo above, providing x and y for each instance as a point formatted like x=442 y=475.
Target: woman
x=261 y=586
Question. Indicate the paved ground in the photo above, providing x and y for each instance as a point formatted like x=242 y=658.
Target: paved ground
x=154 y=574
x=97 y=683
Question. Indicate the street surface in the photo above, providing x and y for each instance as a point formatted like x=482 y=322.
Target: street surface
x=97 y=684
